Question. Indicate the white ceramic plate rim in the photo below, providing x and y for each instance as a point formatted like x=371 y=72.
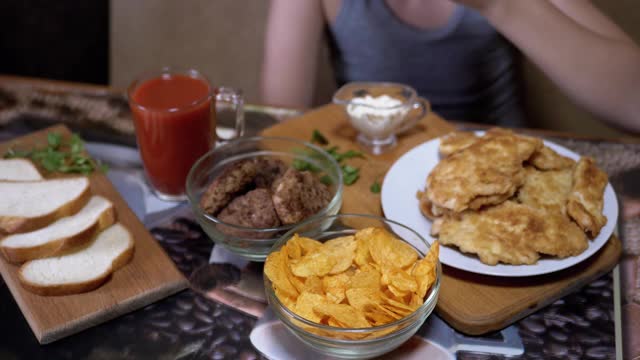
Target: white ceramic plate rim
x=408 y=175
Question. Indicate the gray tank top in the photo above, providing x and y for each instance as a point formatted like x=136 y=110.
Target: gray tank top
x=465 y=68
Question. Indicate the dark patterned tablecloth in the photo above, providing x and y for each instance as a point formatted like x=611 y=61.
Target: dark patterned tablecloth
x=191 y=326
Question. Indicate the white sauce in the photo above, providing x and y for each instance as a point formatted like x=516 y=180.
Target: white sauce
x=377 y=117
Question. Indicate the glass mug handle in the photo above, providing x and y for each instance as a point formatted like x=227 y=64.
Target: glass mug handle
x=230 y=97
x=423 y=106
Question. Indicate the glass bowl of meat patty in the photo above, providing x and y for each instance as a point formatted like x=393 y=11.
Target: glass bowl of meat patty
x=248 y=192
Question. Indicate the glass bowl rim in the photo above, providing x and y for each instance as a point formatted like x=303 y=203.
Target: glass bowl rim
x=434 y=290
x=227 y=145
x=413 y=97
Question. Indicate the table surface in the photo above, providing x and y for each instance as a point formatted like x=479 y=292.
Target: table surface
x=190 y=325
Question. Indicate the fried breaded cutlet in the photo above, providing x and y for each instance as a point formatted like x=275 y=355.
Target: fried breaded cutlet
x=485 y=173
x=547 y=159
x=456 y=141
x=547 y=190
x=511 y=233
x=586 y=199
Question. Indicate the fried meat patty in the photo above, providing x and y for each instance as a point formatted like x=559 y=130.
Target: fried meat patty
x=298 y=195
x=253 y=210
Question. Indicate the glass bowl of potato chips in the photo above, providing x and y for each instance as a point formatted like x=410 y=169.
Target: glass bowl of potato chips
x=352 y=286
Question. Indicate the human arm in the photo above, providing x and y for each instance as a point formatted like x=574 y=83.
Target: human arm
x=583 y=52
x=292 y=46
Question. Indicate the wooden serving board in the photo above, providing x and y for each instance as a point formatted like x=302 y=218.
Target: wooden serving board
x=149 y=276
x=471 y=303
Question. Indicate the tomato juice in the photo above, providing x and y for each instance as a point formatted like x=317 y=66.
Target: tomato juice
x=174 y=118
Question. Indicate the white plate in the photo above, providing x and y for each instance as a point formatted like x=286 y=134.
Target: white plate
x=408 y=175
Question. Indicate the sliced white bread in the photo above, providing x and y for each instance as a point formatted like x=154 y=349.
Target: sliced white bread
x=82 y=269
x=29 y=205
x=64 y=233
x=18 y=170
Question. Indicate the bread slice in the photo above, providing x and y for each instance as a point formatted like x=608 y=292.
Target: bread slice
x=64 y=233
x=80 y=270
x=29 y=205
x=18 y=170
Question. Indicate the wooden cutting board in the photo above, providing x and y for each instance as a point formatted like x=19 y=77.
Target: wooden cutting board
x=471 y=303
x=150 y=276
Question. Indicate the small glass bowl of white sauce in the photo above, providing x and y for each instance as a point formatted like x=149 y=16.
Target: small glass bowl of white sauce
x=379 y=111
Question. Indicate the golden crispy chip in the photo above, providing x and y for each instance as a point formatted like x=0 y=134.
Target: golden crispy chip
x=345 y=315
x=306 y=244
x=397 y=292
x=425 y=270
x=342 y=250
x=416 y=301
x=402 y=281
x=275 y=269
x=314 y=263
x=335 y=287
x=288 y=301
x=305 y=304
x=292 y=249
x=368 y=278
x=362 y=257
x=377 y=315
x=362 y=298
x=313 y=284
x=382 y=332
x=388 y=251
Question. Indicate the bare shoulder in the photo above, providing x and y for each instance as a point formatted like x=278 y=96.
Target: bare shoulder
x=330 y=9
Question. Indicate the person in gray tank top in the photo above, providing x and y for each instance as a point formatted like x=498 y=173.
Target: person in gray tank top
x=459 y=54
x=465 y=67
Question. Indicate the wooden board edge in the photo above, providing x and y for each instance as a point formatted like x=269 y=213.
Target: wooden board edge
x=479 y=325
x=119 y=309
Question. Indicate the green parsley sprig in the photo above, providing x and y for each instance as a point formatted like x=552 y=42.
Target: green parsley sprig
x=350 y=174
x=60 y=155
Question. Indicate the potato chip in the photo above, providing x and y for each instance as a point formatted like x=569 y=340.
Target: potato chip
x=306 y=244
x=369 y=278
x=276 y=270
x=402 y=281
x=313 y=285
x=305 y=303
x=341 y=249
x=293 y=250
x=335 y=287
x=425 y=270
x=389 y=251
x=400 y=294
x=344 y=314
x=362 y=298
x=416 y=301
x=315 y=263
x=288 y=301
x=382 y=332
x=363 y=257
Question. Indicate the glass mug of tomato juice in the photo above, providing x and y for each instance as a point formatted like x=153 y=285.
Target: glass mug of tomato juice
x=174 y=113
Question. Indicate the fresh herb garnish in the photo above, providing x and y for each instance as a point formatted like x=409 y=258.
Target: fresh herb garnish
x=326 y=179
x=60 y=155
x=317 y=137
x=375 y=187
x=350 y=174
